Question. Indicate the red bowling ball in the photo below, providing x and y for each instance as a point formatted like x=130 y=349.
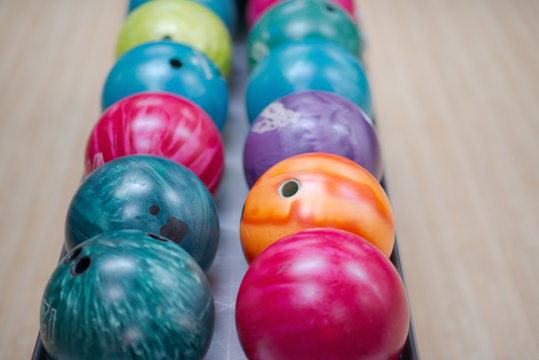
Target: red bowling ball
x=322 y=294
x=160 y=124
x=256 y=8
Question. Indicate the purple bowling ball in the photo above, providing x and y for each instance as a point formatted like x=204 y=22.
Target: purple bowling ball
x=310 y=121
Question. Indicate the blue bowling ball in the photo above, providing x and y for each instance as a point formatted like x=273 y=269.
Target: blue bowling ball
x=172 y=67
x=226 y=9
x=146 y=193
x=307 y=65
x=127 y=295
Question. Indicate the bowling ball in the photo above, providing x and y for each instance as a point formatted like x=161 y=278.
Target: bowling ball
x=322 y=294
x=159 y=124
x=182 y=21
x=310 y=121
x=146 y=193
x=225 y=9
x=172 y=67
x=256 y=8
x=297 y=20
x=307 y=65
x=315 y=190
x=127 y=295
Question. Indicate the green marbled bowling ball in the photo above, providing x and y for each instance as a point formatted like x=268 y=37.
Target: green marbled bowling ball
x=127 y=295
x=298 y=20
x=146 y=193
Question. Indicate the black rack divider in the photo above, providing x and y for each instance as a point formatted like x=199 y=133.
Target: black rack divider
x=410 y=350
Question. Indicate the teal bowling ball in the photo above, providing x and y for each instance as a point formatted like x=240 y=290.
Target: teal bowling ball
x=297 y=20
x=127 y=295
x=146 y=193
x=172 y=67
x=307 y=65
x=227 y=10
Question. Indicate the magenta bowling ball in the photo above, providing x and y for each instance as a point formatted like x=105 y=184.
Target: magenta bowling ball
x=322 y=294
x=310 y=121
x=160 y=124
x=257 y=8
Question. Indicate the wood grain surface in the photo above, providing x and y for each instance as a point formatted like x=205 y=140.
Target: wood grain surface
x=456 y=91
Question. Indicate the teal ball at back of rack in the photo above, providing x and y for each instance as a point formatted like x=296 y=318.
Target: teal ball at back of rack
x=127 y=295
x=171 y=67
x=307 y=65
x=227 y=10
x=146 y=193
x=297 y=20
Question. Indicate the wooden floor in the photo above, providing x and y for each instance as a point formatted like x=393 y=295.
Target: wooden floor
x=456 y=89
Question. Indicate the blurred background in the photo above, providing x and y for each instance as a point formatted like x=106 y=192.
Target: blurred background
x=456 y=91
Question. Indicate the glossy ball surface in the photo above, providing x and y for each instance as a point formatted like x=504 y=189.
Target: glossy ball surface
x=146 y=193
x=160 y=124
x=307 y=65
x=322 y=294
x=310 y=121
x=182 y=21
x=171 y=67
x=256 y=8
x=315 y=190
x=126 y=295
x=225 y=9
x=298 y=20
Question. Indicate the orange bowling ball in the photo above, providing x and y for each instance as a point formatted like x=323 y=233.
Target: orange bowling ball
x=315 y=190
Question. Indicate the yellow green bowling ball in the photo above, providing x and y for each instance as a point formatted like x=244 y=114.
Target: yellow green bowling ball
x=181 y=21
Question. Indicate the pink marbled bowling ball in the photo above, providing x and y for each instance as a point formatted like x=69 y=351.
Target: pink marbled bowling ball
x=161 y=124
x=322 y=294
x=256 y=8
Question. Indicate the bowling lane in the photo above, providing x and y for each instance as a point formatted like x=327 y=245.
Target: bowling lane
x=455 y=92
